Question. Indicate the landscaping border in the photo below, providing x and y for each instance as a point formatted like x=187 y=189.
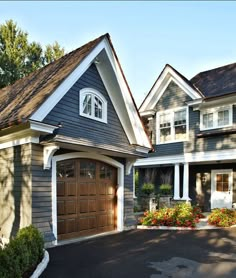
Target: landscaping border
x=41 y=266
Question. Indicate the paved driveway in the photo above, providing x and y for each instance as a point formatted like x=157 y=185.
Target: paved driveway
x=148 y=253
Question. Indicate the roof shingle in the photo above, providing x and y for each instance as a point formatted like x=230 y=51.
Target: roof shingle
x=20 y=100
x=216 y=82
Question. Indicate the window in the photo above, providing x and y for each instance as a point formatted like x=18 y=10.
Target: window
x=172 y=125
x=216 y=117
x=93 y=105
x=222 y=182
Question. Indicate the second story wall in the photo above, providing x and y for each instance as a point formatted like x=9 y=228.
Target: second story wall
x=197 y=140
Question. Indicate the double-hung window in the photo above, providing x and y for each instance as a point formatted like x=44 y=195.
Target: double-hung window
x=172 y=125
x=217 y=117
x=93 y=105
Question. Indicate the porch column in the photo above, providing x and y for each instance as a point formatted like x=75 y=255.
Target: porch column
x=186 y=182
x=176 y=183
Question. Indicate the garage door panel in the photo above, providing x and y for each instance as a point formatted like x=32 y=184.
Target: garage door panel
x=102 y=220
x=71 y=189
x=61 y=207
x=92 y=189
x=83 y=204
x=110 y=205
x=102 y=189
x=92 y=205
x=61 y=227
x=71 y=225
x=110 y=190
x=61 y=189
x=110 y=220
x=101 y=205
x=70 y=207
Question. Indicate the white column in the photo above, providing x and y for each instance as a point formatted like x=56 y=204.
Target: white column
x=186 y=183
x=176 y=183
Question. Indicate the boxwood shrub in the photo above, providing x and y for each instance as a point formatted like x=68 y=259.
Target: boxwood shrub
x=22 y=254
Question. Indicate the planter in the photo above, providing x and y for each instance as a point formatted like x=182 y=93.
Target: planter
x=165 y=201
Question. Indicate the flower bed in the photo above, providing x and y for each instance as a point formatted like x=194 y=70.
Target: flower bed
x=182 y=215
x=222 y=217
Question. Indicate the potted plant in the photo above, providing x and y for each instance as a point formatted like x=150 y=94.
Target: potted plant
x=148 y=188
x=165 y=190
x=165 y=195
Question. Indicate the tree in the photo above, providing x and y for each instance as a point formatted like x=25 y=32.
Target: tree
x=19 y=57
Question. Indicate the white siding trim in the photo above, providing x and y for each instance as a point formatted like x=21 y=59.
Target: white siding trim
x=188 y=157
x=94 y=93
x=20 y=141
x=172 y=111
x=215 y=111
x=159 y=88
x=120 y=182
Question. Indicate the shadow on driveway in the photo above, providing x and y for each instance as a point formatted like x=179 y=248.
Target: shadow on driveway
x=146 y=253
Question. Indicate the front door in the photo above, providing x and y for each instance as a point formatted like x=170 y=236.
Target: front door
x=86 y=198
x=221 y=188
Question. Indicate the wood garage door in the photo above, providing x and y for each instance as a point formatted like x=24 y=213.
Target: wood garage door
x=86 y=198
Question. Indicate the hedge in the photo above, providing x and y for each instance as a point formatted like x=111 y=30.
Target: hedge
x=22 y=254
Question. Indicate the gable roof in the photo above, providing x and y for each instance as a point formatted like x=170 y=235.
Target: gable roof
x=34 y=96
x=20 y=100
x=167 y=75
x=216 y=82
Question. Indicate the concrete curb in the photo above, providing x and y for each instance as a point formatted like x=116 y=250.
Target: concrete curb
x=41 y=266
x=140 y=227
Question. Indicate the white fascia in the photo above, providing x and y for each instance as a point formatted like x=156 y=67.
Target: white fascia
x=125 y=107
x=42 y=127
x=162 y=83
x=188 y=158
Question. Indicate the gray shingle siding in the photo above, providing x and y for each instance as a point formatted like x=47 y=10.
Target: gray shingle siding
x=129 y=219
x=41 y=193
x=15 y=189
x=174 y=97
x=76 y=126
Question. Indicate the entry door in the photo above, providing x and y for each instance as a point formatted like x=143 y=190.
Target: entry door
x=221 y=188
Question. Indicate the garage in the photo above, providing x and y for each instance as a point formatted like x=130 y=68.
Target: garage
x=86 y=198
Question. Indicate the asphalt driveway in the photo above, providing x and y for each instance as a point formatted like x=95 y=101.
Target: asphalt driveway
x=148 y=253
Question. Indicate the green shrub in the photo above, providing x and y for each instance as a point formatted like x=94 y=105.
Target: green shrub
x=148 y=188
x=22 y=253
x=165 y=189
x=222 y=217
x=182 y=215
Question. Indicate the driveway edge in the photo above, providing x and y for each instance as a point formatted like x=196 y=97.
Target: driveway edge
x=41 y=266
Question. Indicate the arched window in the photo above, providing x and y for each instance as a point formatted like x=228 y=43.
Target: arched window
x=93 y=105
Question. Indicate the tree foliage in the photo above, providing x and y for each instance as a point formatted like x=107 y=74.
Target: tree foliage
x=19 y=57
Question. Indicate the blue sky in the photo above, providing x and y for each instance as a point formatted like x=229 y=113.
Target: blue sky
x=190 y=36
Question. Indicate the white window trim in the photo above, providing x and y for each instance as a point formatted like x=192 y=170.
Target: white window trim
x=215 y=111
x=94 y=93
x=172 y=111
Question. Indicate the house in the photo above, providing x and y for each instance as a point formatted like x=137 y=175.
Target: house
x=69 y=135
x=192 y=126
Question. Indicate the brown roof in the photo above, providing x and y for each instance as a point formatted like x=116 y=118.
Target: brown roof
x=216 y=82
x=20 y=100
